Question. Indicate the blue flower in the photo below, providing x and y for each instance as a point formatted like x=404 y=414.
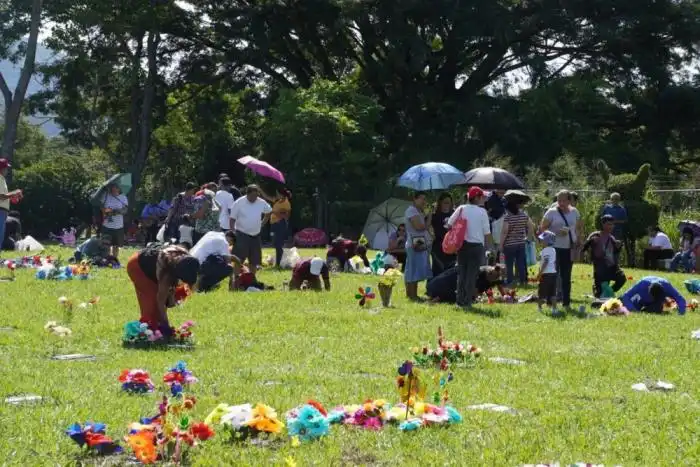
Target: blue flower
x=75 y=431
x=309 y=424
x=411 y=425
x=176 y=389
x=454 y=416
x=180 y=367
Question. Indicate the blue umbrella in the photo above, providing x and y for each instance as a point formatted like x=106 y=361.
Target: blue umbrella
x=431 y=176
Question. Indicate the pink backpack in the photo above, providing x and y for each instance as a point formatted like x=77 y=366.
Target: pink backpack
x=455 y=237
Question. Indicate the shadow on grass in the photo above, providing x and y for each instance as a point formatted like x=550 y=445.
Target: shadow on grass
x=149 y=347
x=488 y=313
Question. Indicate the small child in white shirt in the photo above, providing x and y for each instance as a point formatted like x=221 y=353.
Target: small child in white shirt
x=547 y=291
x=186 y=230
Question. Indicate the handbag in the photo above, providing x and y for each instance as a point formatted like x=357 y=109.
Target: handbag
x=530 y=253
x=454 y=238
x=572 y=247
x=419 y=243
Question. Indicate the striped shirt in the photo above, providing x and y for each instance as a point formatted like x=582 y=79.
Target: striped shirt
x=117 y=204
x=517 y=229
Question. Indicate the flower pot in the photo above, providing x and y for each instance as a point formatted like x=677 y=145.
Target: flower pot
x=385 y=294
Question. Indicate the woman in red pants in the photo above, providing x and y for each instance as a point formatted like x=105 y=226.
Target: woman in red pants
x=155 y=272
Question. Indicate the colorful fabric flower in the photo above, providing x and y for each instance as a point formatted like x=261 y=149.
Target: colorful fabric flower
x=143 y=443
x=202 y=431
x=309 y=423
x=136 y=381
x=93 y=436
x=179 y=374
x=264 y=419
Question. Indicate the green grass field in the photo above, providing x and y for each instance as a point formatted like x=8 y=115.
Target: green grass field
x=282 y=348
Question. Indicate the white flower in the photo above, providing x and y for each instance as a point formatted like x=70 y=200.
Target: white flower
x=83 y=305
x=62 y=300
x=237 y=415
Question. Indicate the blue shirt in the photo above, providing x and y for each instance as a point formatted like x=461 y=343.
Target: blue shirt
x=619 y=213
x=638 y=296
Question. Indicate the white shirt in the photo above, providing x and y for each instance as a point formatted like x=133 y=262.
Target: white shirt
x=477 y=222
x=549 y=254
x=249 y=215
x=212 y=243
x=5 y=203
x=662 y=240
x=117 y=203
x=225 y=201
x=186 y=233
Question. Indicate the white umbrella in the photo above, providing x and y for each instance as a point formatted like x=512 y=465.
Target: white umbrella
x=383 y=220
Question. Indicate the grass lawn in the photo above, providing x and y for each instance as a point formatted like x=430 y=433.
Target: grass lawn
x=282 y=348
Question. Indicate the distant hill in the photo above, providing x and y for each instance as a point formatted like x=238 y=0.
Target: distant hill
x=11 y=74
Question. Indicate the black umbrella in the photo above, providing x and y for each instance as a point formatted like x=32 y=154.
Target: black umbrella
x=694 y=226
x=493 y=178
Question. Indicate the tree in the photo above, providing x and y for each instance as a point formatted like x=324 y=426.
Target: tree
x=17 y=18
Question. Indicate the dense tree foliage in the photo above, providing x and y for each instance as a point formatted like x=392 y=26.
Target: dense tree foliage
x=342 y=95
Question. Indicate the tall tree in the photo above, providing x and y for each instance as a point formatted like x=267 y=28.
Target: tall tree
x=18 y=18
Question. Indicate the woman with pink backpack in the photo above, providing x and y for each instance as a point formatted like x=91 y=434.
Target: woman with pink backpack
x=471 y=219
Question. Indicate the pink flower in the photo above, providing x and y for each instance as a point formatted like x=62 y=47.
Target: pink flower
x=373 y=423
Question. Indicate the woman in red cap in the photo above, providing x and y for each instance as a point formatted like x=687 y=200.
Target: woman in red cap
x=473 y=252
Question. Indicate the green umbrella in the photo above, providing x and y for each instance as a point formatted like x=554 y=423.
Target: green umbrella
x=123 y=181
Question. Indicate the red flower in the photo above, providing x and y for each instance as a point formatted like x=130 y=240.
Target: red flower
x=123 y=375
x=173 y=377
x=318 y=406
x=202 y=431
x=189 y=402
x=443 y=364
x=399 y=381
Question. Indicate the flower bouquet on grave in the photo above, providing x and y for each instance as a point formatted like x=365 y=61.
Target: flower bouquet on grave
x=179 y=375
x=170 y=434
x=446 y=353
x=92 y=435
x=370 y=415
x=614 y=307
x=670 y=306
x=386 y=285
x=308 y=422
x=140 y=335
x=245 y=421
x=136 y=381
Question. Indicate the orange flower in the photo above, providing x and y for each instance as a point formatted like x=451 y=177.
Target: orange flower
x=318 y=406
x=265 y=419
x=189 y=402
x=123 y=375
x=143 y=445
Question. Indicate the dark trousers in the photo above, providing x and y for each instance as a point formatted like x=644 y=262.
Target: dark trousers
x=441 y=261
x=213 y=270
x=469 y=261
x=564 y=267
x=279 y=236
x=515 y=256
x=605 y=273
x=151 y=234
x=651 y=257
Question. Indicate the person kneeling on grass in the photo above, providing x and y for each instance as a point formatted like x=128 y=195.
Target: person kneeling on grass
x=215 y=259
x=310 y=271
x=605 y=254
x=649 y=294
x=155 y=272
x=443 y=288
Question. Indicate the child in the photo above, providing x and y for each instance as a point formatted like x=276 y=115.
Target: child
x=186 y=231
x=547 y=276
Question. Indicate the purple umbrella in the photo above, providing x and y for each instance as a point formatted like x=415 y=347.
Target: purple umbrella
x=262 y=168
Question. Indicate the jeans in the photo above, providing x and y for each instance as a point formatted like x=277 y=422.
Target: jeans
x=469 y=261
x=279 y=233
x=3 y=218
x=564 y=267
x=684 y=260
x=213 y=270
x=515 y=256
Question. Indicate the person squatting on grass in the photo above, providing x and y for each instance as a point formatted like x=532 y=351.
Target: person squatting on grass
x=547 y=276
x=649 y=294
x=605 y=254
x=155 y=272
x=472 y=254
x=310 y=271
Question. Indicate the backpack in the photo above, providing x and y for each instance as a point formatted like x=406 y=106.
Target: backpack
x=454 y=238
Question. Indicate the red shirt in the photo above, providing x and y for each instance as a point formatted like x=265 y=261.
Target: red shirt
x=342 y=249
x=302 y=272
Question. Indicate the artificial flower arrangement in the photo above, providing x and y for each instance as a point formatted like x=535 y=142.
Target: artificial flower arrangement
x=308 y=422
x=387 y=281
x=370 y=415
x=179 y=377
x=136 y=381
x=364 y=296
x=446 y=353
x=508 y=296
x=670 y=306
x=56 y=329
x=169 y=434
x=693 y=304
x=28 y=261
x=92 y=435
x=138 y=334
x=246 y=421
x=614 y=307
x=54 y=270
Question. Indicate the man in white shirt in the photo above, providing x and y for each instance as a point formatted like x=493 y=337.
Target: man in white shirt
x=215 y=259
x=659 y=248
x=225 y=199
x=114 y=207
x=472 y=255
x=5 y=196
x=248 y=214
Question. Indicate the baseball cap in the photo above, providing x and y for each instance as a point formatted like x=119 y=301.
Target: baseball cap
x=475 y=192
x=547 y=237
x=4 y=163
x=316 y=266
x=607 y=218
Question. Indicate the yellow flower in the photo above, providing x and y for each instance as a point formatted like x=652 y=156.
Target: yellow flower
x=215 y=416
x=289 y=461
x=265 y=419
